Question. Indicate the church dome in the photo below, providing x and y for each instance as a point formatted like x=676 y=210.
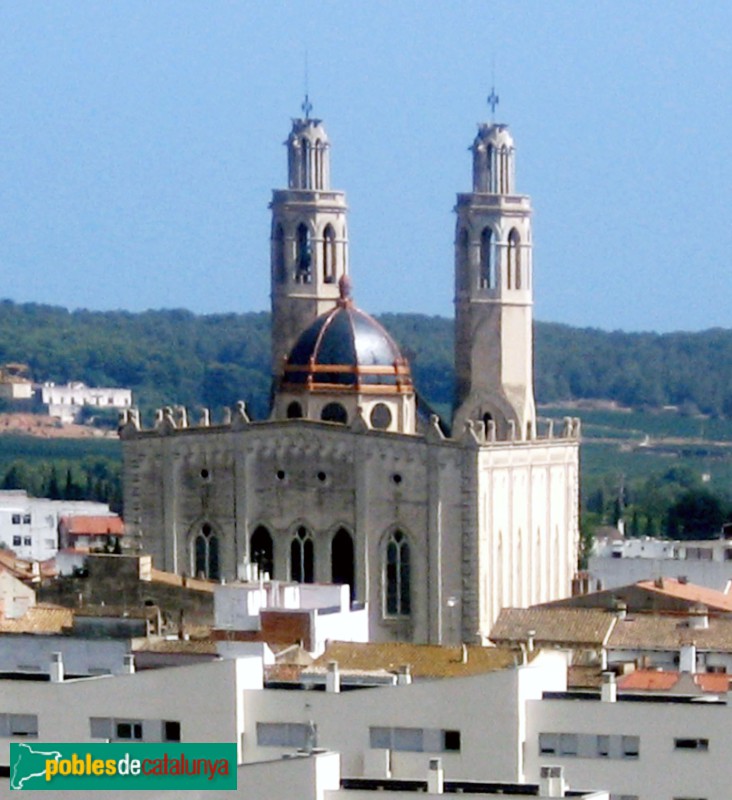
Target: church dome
x=345 y=349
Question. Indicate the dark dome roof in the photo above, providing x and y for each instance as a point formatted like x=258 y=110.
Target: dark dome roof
x=346 y=349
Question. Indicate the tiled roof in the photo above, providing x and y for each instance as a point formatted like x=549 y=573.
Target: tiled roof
x=424 y=661
x=93 y=525
x=182 y=646
x=714 y=600
x=659 y=632
x=570 y=627
x=39 y=619
x=649 y=680
x=124 y=612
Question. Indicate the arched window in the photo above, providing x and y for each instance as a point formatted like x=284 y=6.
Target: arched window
x=329 y=254
x=334 y=412
x=278 y=254
x=514 y=259
x=206 y=554
x=398 y=600
x=318 y=164
x=487 y=271
x=302 y=557
x=463 y=244
x=342 y=569
x=304 y=257
x=261 y=550
x=305 y=163
x=381 y=417
x=294 y=410
x=504 y=170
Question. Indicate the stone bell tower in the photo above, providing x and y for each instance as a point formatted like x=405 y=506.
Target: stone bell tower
x=309 y=241
x=494 y=294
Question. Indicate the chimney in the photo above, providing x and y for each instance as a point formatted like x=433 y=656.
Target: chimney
x=435 y=777
x=621 y=609
x=551 y=782
x=404 y=675
x=333 y=678
x=687 y=658
x=463 y=653
x=609 y=689
x=128 y=664
x=57 y=668
x=530 y=641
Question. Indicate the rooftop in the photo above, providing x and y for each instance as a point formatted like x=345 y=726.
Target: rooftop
x=571 y=627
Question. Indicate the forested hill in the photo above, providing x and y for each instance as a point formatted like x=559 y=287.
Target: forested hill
x=177 y=357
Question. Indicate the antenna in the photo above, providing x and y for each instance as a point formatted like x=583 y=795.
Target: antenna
x=306 y=106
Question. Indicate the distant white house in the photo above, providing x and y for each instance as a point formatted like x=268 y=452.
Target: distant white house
x=29 y=526
x=67 y=400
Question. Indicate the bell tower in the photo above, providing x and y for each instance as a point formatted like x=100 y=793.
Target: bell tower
x=494 y=294
x=309 y=240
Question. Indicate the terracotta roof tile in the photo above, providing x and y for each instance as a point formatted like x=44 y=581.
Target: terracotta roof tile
x=648 y=680
x=714 y=600
x=570 y=627
x=93 y=525
x=660 y=632
x=425 y=661
x=39 y=619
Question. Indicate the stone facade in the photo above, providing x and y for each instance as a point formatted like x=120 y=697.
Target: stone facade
x=434 y=533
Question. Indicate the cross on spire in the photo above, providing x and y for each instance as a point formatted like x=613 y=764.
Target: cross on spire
x=306 y=106
x=493 y=101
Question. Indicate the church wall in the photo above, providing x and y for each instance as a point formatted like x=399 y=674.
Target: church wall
x=527 y=526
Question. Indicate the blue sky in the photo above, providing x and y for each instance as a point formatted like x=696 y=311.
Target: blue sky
x=140 y=142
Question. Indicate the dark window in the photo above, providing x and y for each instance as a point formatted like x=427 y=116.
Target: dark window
x=17 y=541
x=329 y=260
x=26 y=519
x=206 y=554
x=294 y=410
x=487 y=271
x=381 y=416
x=452 y=741
x=398 y=592
x=334 y=412
x=691 y=744
x=171 y=731
x=302 y=557
x=303 y=263
x=261 y=550
x=342 y=560
x=278 y=254
x=129 y=730
x=514 y=259
x=16 y=519
x=463 y=244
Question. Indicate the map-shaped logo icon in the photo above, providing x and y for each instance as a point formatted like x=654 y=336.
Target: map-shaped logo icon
x=30 y=764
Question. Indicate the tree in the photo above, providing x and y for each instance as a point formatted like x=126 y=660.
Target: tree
x=697 y=514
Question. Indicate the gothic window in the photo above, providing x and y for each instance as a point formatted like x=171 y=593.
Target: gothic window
x=329 y=254
x=487 y=272
x=398 y=576
x=261 y=550
x=206 y=554
x=463 y=260
x=514 y=259
x=302 y=557
x=278 y=254
x=342 y=560
x=305 y=163
x=294 y=410
x=334 y=412
x=304 y=255
x=504 y=171
x=318 y=164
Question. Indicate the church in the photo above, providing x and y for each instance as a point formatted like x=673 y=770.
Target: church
x=348 y=480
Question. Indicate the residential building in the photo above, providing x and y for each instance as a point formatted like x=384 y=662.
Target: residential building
x=66 y=401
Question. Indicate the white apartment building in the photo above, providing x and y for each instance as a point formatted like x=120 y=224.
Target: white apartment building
x=66 y=401
x=29 y=525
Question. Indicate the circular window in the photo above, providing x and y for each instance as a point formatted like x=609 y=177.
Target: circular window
x=294 y=410
x=280 y=474
x=396 y=478
x=334 y=412
x=205 y=474
x=381 y=416
x=322 y=477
